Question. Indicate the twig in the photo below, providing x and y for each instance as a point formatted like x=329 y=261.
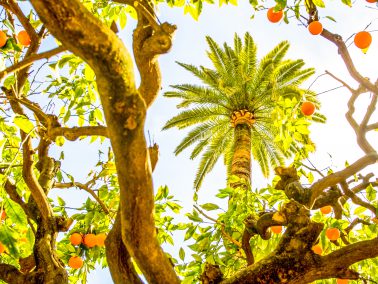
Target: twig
x=224 y=233
x=30 y=59
x=86 y=188
x=356 y=199
x=341 y=81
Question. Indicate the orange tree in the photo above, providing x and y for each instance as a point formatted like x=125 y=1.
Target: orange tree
x=91 y=61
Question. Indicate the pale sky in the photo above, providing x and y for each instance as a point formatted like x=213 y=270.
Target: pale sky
x=335 y=137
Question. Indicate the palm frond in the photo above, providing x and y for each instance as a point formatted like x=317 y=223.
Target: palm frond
x=196 y=115
x=210 y=157
x=202 y=132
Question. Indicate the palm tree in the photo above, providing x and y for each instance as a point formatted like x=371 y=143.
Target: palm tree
x=232 y=110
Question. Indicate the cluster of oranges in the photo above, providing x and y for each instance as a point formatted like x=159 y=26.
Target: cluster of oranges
x=22 y=37
x=90 y=241
x=362 y=39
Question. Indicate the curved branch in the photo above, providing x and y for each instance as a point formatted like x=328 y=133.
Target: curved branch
x=87 y=189
x=73 y=133
x=125 y=111
x=337 y=177
x=11 y=274
x=30 y=60
x=344 y=53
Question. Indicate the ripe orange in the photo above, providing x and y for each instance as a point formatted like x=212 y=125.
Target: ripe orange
x=273 y=16
x=333 y=234
x=315 y=27
x=317 y=249
x=363 y=39
x=371 y=1
x=3 y=38
x=2 y=248
x=76 y=239
x=24 y=38
x=326 y=209
x=90 y=240
x=308 y=108
x=342 y=281
x=3 y=215
x=75 y=262
x=100 y=239
x=23 y=240
x=276 y=229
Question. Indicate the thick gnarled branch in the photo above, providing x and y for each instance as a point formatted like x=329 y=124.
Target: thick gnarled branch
x=125 y=110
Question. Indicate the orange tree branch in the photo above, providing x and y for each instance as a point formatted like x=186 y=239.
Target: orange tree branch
x=87 y=189
x=340 y=176
x=125 y=111
x=30 y=59
x=10 y=274
x=372 y=126
x=73 y=133
x=15 y=9
x=10 y=188
x=341 y=81
x=360 y=129
x=31 y=181
x=28 y=164
x=344 y=53
x=356 y=199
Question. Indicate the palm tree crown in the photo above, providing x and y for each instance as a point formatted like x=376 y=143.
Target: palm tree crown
x=233 y=110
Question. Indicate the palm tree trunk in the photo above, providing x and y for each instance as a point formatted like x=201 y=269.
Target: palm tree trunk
x=241 y=160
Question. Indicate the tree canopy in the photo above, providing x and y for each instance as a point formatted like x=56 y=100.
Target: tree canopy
x=67 y=76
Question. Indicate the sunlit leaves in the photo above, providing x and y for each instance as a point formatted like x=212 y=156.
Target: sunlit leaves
x=24 y=123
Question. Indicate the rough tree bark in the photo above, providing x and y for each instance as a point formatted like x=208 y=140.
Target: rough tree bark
x=125 y=111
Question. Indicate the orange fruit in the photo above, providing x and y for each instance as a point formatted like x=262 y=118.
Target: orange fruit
x=363 y=39
x=100 y=239
x=371 y=1
x=3 y=38
x=273 y=16
x=317 y=249
x=342 y=281
x=23 y=240
x=75 y=262
x=333 y=234
x=276 y=229
x=24 y=38
x=315 y=27
x=326 y=209
x=3 y=215
x=2 y=248
x=90 y=240
x=76 y=239
x=308 y=108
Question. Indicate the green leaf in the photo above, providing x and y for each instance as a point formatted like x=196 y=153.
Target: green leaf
x=189 y=233
x=122 y=20
x=209 y=206
x=23 y=123
x=347 y=2
x=9 y=81
x=371 y=193
x=359 y=210
x=15 y=212
x=9 y=238
x=182 y=254
x=194 y=217
x=330 y=18
x=320 y=3
x=61 y=201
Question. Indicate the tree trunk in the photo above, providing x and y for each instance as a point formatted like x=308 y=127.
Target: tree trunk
x=241 y=160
